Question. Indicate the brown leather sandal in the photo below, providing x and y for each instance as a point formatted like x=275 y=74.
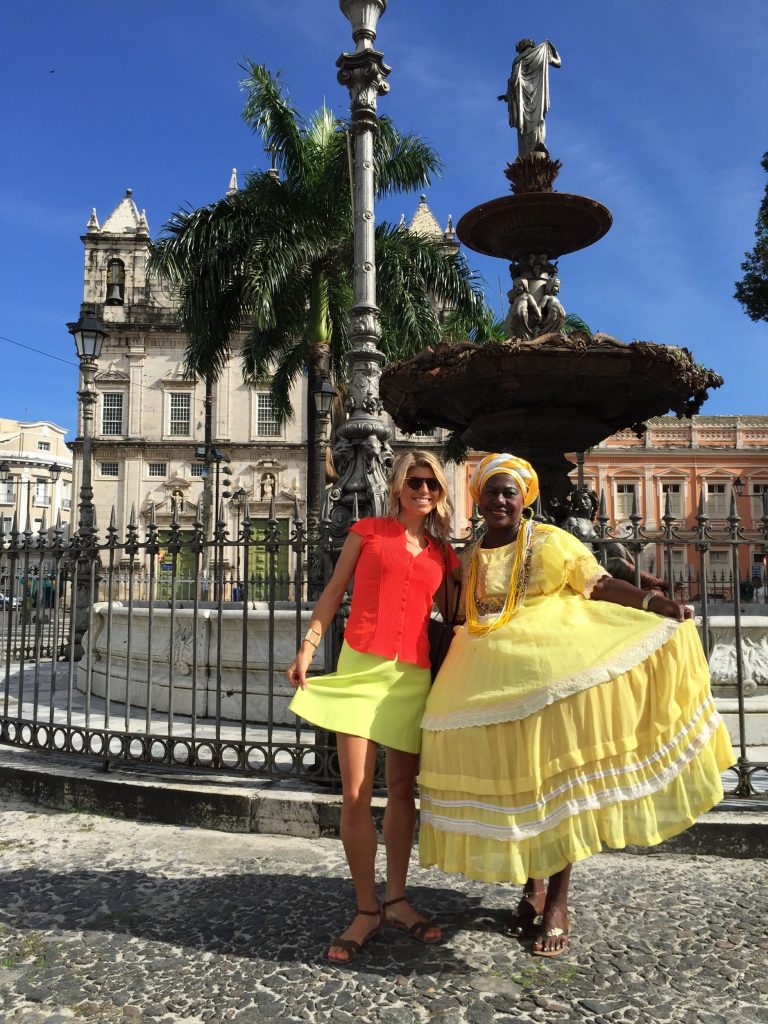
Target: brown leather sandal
x=417 y=930
x=350 y=946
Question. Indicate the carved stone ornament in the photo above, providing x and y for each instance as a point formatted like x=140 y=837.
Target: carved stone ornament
x=365 y=75
x=535 y=172
x=365 y=326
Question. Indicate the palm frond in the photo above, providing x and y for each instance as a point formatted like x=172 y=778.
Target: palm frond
x=403 y=163
x=479 y=329
x=573 y=322
x=454 y=449
x=414 y=274
x=340 y=298
x=275 y=355
x=269 y=114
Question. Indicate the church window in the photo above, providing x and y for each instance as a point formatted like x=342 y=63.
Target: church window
x=115 y=283
x=110 y=469
x=180 y=410
x=43 y=446
x=196 y=468
x=157 y=468
x=112 y=412
x=266 y=420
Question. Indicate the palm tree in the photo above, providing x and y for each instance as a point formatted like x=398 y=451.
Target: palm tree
x=268 y=269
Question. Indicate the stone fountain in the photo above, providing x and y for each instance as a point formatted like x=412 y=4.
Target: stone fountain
x=548 y=388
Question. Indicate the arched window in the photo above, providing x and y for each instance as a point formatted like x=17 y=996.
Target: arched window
x=115 y=283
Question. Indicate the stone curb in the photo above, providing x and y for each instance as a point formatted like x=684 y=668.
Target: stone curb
x=260 y=806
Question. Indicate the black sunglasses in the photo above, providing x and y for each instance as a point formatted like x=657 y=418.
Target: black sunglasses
x=417 y=482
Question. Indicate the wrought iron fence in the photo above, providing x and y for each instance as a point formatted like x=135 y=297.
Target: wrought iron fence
x=153 y=649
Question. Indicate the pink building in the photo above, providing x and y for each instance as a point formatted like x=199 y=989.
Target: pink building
x=678 y=458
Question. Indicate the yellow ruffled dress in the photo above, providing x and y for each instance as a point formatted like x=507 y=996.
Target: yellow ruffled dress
x=577 y=724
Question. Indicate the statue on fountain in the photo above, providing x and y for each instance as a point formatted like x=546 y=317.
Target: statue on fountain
x=577 y=516
x=534 y=308
x=527 y=95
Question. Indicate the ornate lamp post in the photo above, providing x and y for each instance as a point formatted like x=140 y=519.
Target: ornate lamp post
x=362 y=453
x=89 y=334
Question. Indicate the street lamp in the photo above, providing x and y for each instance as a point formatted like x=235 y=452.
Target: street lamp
x=238 y=501
x=222 y=479
x=323 y=395
x=89 y=334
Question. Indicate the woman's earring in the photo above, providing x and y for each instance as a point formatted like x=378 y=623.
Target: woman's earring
x=528 y=513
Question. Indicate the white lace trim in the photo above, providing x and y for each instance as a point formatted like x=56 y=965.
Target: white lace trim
x=594 y=802
x=464 y=718
x=592 y=582
x=583 y=778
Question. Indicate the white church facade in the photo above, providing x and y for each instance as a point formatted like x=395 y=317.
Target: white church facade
x=149 y=425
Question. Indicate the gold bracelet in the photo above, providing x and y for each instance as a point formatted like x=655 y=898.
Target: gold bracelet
x=311 y=643
x=647 y=600
x=309 y=634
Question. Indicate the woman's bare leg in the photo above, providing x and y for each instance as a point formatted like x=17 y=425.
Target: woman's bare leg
x=357 y=763
x=399 y=823
x=554 y=926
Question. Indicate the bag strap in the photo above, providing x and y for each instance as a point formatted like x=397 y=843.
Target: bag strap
x=457 y=584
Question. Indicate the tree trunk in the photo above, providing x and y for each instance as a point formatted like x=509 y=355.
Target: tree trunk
x=317 y=371
x=207 y=502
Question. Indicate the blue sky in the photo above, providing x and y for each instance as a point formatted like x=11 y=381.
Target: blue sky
x=659 y=112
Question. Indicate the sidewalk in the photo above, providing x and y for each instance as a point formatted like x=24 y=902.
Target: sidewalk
x=107 y=921
x=737 y=828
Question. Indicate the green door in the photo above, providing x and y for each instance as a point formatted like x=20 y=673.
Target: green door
x=259 y=563
x=185 y=569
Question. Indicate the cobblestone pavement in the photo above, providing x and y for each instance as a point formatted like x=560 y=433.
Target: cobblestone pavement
x=114 y=921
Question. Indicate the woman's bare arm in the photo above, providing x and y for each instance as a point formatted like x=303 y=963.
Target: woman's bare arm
x=326 y=607
x=623 y=593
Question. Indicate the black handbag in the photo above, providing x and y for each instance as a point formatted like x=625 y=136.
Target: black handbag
x=440 y=631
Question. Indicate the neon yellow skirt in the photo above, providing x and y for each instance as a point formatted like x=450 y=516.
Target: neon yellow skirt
x=634 y=759
x=368 y=696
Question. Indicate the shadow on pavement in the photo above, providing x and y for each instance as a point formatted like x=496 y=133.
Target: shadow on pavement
x=262 y=917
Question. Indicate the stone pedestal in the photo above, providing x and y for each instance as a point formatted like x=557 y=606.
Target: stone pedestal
x=722 y=664
x=168 y=661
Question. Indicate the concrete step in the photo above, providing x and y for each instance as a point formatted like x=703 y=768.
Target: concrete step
x=246 y=804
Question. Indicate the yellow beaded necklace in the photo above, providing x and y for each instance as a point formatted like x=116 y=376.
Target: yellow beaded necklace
x=518 y=583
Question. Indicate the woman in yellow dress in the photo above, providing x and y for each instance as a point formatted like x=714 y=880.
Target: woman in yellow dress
x=573 y=711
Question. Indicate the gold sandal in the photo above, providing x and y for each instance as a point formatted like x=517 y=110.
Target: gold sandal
x=552 y=933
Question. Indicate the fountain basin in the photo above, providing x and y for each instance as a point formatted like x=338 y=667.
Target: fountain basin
x=543 y=397
x=552 y=223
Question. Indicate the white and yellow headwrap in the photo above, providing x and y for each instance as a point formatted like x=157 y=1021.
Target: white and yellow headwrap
x=502 y=462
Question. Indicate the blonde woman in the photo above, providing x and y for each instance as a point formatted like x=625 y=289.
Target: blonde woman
x=377 y=695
